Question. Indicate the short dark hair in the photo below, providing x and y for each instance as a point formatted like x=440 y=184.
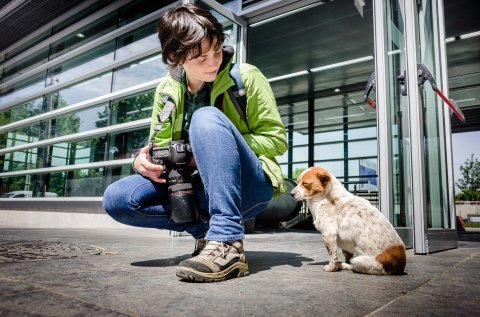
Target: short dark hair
x=182 y=30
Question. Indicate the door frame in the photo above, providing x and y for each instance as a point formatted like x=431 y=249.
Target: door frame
x=242 y=23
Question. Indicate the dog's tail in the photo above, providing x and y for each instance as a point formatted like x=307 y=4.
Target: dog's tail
x=390 y=261
x=393 y=259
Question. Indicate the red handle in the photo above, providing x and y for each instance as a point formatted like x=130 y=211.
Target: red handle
x=452 y=106
x=371 y=103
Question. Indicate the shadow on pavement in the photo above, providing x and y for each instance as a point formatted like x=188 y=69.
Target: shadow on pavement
x=258 y=260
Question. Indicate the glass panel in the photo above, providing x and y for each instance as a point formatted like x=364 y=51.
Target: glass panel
x=299 y=153
x=434 y=129
x=25 y=135
x=16 y=187
x=23 y=111
x=282 y=159
x=84 y=35
x=297 y=168
x=336 y=118
x=30 y=62
x=295 y=118
x=232 y=5
x=362 y=133
x=78 y=152
x=132 y=108
x=401 y=215
x=137 y=41
x=25 y=64
x=32 y=42
x=307 y=71
x=114 y=173
x=329 y=151
x=126 y=144
x=138 y=9
x=367 y=172
x=77 y=183
x=362 y=148
x=328 y=136
x=80 y=121
x=20 y=160
x=83 y=64
x=337 y=168
x=88 y=89
x=231 y=29
x=28 y=87
x=139 y=72
x=92 y=8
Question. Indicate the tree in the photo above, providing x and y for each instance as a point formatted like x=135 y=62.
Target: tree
x=297 y=172
x=469 y=184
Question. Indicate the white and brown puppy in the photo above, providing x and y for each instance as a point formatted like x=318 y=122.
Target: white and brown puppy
x=348 y=222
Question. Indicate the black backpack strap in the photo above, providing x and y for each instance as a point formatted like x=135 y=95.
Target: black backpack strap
x=238 y=93
x=219 y=102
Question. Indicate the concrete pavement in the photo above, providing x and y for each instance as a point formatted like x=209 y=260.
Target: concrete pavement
x=131 y=272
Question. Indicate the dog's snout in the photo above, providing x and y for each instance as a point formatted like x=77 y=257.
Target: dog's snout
x=292 y=192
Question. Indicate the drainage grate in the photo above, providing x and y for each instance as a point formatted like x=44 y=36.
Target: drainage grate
x=24 y=250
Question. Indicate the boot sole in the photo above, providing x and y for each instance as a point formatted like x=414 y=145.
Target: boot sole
x=238 y=269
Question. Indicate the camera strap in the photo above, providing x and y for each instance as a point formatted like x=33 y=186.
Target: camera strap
x=168 y=107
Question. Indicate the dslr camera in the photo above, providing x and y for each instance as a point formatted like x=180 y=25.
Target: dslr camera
x=182 y=205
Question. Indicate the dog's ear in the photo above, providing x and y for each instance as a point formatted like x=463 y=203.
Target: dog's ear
x=323 y=176
x=320 y=180
x=310 y=182
x=317 y=187
x=315 y=179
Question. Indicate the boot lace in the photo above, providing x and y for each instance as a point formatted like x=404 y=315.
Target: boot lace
x=212 y=248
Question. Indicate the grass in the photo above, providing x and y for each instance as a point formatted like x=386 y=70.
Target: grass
x=472 y=225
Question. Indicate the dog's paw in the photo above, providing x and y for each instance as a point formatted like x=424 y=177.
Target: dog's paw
x=346 y=266
x=332 y=267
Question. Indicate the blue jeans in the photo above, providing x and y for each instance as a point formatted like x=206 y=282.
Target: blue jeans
x=232 y=188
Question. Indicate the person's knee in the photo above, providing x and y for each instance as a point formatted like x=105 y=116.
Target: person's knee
x=204 y=119
x=111 y=200
x=114 y=204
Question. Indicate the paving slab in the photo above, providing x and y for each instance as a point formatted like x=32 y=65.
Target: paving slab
x=131 y=272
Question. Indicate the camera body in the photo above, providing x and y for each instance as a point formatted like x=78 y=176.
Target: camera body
x=176 y=154
x=182 y=205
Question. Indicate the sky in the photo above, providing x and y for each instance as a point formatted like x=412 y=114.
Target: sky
x=463 y=145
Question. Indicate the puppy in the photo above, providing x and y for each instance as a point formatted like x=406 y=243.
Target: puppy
x=348 y=222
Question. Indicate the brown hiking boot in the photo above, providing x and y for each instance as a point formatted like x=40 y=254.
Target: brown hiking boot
x=218 y=261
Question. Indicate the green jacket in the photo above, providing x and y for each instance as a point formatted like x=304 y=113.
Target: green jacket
x=266 y=137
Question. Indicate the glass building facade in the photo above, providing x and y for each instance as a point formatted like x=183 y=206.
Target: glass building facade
x=53 y=105
x=76 y=99
x=78 y=103
x=75 y=106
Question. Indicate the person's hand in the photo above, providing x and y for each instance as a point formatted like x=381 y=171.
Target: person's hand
x=147 y=168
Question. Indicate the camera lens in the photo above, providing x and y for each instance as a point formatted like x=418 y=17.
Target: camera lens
x=182 y=206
